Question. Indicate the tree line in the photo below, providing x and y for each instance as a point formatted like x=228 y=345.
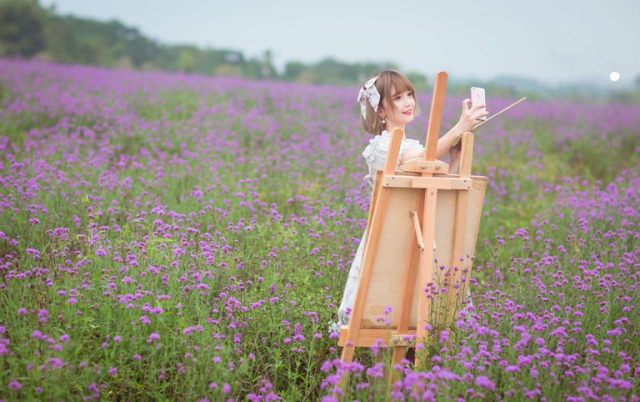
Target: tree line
x=27 y=29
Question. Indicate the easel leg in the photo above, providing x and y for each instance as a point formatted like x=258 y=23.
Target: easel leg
x=426 y=266
x=409 y=285
x=460 y=225
x=371 y=249
x=373 y=239
x=457 y=251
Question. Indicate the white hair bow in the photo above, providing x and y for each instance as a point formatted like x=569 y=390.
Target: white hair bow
x=370 y=92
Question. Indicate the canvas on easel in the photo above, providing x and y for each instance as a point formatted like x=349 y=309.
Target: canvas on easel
x=422 y=230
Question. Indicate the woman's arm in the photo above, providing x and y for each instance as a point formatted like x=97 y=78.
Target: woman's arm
x=444 y=143
x=468 y=119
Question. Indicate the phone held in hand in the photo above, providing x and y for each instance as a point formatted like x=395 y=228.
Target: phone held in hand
x=477 y=98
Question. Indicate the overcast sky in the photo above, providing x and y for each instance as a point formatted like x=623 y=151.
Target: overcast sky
x=552 y=41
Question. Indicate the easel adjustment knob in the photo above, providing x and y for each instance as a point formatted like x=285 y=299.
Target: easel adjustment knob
x=424 y=166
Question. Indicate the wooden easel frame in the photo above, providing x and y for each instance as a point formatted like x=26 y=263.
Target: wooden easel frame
x=431 y=176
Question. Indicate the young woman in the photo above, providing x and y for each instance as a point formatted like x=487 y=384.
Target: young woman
x=388 y=101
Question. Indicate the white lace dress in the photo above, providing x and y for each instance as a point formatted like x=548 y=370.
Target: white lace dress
x=375 y=154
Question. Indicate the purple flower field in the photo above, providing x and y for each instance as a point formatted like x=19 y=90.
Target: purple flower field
x=166 y=236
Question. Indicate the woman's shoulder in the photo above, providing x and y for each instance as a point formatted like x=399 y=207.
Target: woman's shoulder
x=383 y=142
x=383 y=138
x=379 y=142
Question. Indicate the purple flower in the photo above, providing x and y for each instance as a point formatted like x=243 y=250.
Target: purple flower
x=55 y=362
x=15 y=385
x=485 y=382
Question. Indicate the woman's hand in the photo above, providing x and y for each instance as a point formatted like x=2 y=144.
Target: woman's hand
x=468 y=120
x=470 y=117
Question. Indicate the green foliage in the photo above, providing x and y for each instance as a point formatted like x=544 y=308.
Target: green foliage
x=331 y=71
x=76 y=40
x=21 y=27
x=418 y=80
x=228 y=70
x=627 y=97
x=27 y=29
x=292 y=70
x=4 y=93
x=187 y=61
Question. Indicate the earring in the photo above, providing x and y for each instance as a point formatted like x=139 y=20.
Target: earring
x=383 y=122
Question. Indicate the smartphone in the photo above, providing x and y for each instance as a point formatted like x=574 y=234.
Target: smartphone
x=477 y=98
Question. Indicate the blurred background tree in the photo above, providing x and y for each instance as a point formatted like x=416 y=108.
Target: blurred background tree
x=21 y=27
x=418 y=80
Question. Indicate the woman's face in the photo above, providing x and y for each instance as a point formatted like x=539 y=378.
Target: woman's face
x=401 y=113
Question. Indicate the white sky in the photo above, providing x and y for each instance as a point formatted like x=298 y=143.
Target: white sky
x=552 y=41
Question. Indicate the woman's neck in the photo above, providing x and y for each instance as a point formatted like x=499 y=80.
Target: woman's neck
x=388 y=127
x=389 y=130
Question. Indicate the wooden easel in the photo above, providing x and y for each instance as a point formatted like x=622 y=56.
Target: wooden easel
x=417 y=215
